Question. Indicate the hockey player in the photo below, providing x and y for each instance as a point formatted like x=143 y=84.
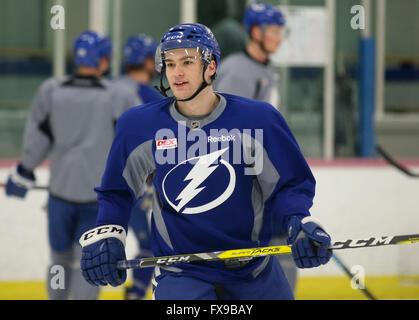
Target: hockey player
x=139 y=54
x=223 y=166
x=72 y=119
x=264 y=25
x=249 y=73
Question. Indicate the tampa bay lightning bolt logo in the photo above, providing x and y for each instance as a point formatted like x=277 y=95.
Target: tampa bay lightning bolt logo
x=203 y=168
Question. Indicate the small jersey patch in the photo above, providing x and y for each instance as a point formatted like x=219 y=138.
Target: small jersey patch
x=166 y=144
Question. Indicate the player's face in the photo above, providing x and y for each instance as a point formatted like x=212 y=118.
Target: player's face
x=183 y=71
x=273 y=35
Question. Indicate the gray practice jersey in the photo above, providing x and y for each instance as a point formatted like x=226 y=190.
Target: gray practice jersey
x=73 y=119
x=241 y=75
x=129 y=84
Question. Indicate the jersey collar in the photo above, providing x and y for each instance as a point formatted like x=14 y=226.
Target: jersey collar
x=265 y=63
x=201 y=121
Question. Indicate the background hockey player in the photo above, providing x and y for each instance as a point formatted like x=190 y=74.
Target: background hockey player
x=73 y=119
x=209 y=195
x=139 y=67
x=139 y=54
x=251 y=75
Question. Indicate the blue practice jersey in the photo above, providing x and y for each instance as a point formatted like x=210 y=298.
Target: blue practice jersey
x=148 y=94
x=219 y=180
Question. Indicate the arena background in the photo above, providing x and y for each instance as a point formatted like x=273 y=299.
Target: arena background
x=356 y=89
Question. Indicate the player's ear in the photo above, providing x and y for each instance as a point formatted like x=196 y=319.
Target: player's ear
x=212 y=66
x=211 y=69
x=256 y=32
x=103 y=65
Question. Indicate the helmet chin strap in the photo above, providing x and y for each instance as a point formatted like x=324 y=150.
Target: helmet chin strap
x=204 y=84
x=161 y=88
x=202 y=87
x=261 y=44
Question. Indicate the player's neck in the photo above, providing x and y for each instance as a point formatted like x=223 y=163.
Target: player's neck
x=256 y=52
x=88 y=72
x=204 y=103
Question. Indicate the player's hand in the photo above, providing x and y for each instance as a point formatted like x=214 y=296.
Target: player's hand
x=309 y=242
x=19 y=182
x=102 y=247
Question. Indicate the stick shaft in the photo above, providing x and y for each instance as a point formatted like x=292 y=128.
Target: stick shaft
x=340 y=263
x=246 y=254
x=2 y=185
x=394 y=163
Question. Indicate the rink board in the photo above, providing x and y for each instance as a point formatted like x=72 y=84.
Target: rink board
x=354 y=199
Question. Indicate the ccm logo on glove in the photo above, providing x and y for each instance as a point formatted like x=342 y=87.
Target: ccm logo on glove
x=322 y=234
x=103 y=232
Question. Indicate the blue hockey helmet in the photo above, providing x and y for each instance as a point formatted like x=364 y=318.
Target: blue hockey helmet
x=90 y=47
x=138 y=48
x=189 y=35
x=261 y=14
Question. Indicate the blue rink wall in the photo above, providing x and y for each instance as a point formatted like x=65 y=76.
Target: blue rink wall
x=355 y=199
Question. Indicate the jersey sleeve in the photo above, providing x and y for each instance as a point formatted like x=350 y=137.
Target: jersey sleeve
x=128 y=165
x=38 y=137
x=234 y=83
x=286 y=180
x=123 y=100
x=148 y=94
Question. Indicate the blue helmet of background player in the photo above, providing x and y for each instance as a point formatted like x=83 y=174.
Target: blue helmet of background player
x=138 y=49
x=189 y=35
x=90 y=47
x=262 y=14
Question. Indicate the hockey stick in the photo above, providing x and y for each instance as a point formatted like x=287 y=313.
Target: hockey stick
x=394 y=163
x=32 y=188
x=350 y=275
x=250 y=253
